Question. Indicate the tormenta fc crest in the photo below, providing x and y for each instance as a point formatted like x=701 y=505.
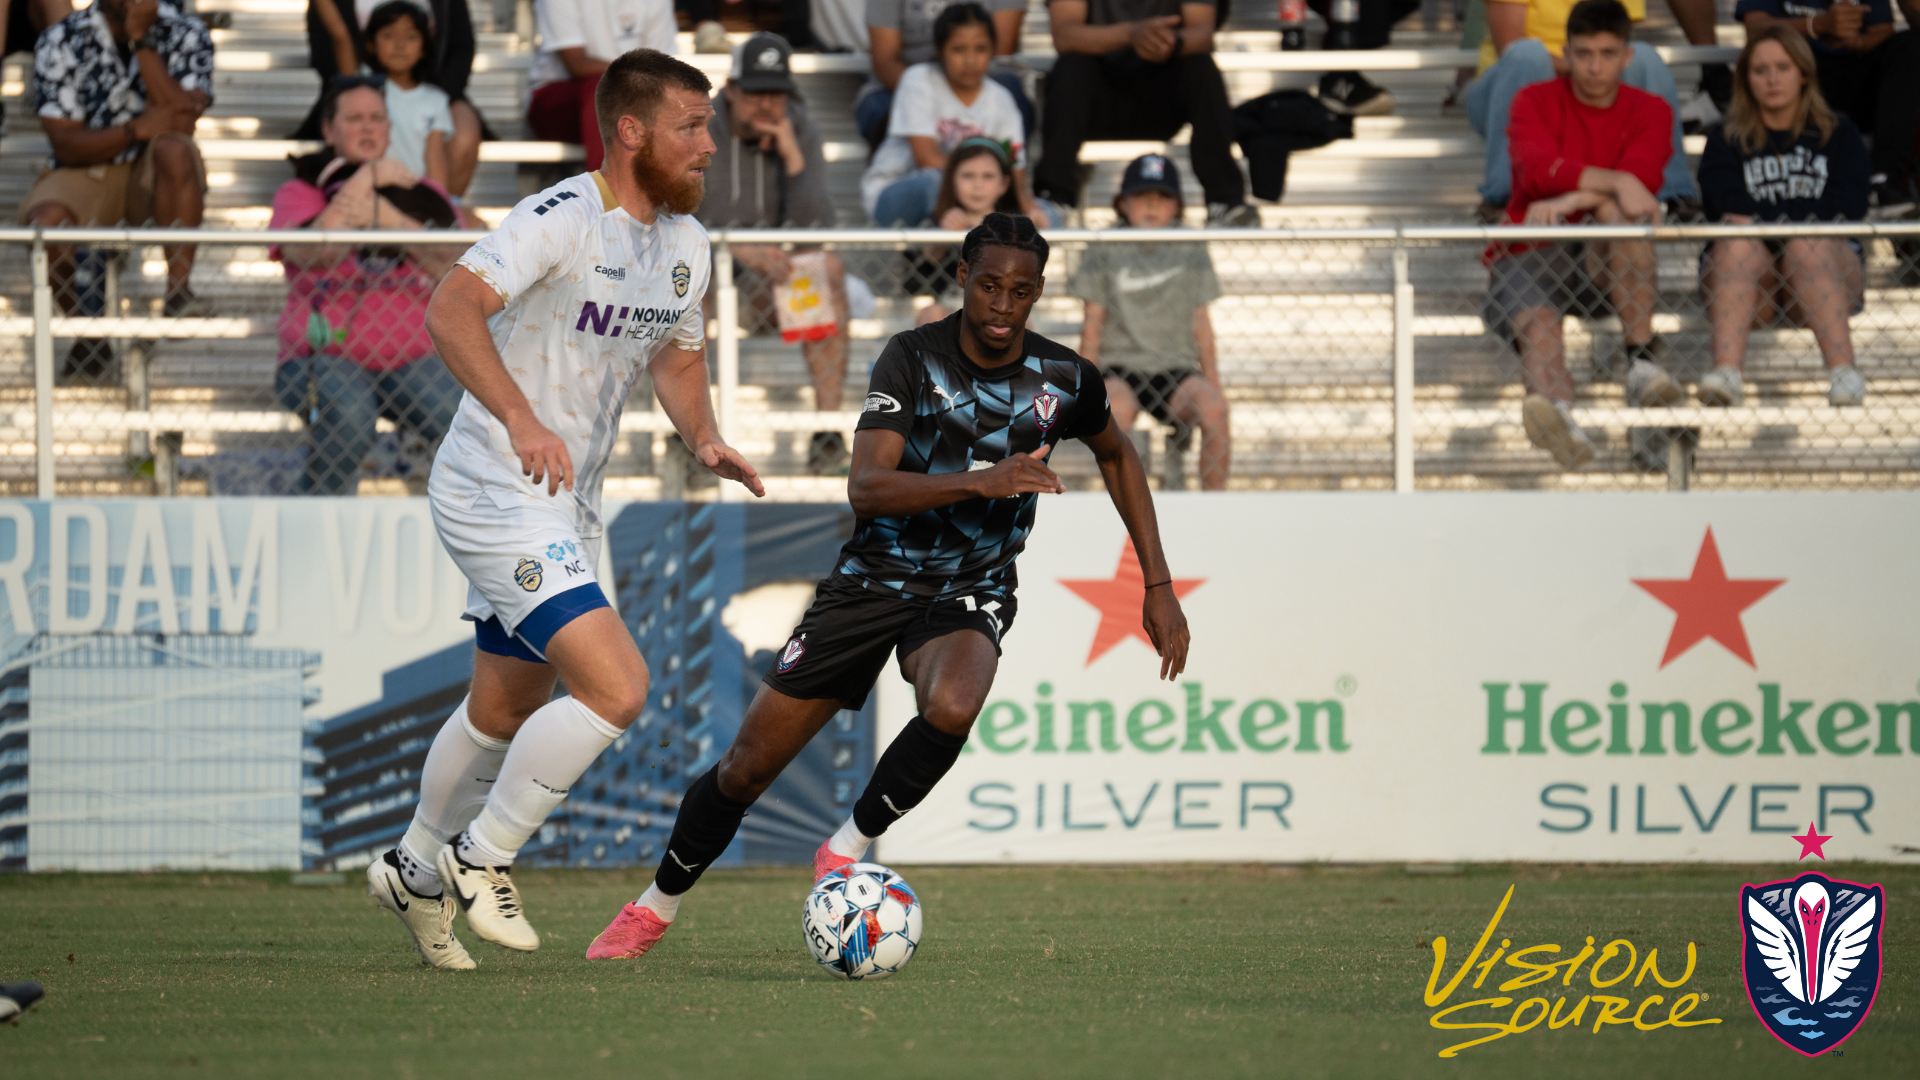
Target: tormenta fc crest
x=1812 y=957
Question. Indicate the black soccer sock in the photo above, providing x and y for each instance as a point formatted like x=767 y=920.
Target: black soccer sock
x=701 y=833
x=919 y=756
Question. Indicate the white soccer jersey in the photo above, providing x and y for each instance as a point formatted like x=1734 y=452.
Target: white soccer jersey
x=592 y=295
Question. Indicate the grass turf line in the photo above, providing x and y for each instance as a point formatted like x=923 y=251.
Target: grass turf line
x=1033 y=971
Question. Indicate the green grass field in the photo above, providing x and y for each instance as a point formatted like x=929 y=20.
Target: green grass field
x=1161 y=971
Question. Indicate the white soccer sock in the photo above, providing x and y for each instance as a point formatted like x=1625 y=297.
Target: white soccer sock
x=660 y=903
x=552 y=749
x=849 y=842
x=459 y=772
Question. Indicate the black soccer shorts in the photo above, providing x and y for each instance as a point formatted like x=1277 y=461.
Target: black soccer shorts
x=844 y=639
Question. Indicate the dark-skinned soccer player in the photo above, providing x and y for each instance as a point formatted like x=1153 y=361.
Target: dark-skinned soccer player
x=949 y=461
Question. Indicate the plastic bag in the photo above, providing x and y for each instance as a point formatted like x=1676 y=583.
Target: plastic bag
x=804 y=304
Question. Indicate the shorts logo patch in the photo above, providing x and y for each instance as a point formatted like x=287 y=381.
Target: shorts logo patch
x=561 y=551
x=879 y=402
x=1046 y=411
x=682 y=277
x=528 y=575
x=790 y=655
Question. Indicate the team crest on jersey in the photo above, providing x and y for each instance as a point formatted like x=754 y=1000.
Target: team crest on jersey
x=682 y=277
x=1046 y=411
x=1811 y=958
x=790 y=655
x=528 y=575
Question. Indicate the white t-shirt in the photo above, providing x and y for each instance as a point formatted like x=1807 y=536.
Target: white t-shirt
x=592 y=295
x=923 y=104
x=605 y=28
x=413 y=114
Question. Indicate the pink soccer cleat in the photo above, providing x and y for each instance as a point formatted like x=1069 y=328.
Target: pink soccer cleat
x=826 y=861
x=635 y=930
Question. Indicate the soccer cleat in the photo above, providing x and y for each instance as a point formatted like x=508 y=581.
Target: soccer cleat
x=632 y=932
x=1550 y=427
x=428 y=919
x=1722 y=387
x=1649 y=385
x=826 y=861
x=487 y=895
x=16 y=998
x=1846 y=386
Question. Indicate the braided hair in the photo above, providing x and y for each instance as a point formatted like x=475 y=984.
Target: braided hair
x=1015 y=231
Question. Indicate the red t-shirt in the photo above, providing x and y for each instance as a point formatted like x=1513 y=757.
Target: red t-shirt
x=1553 y=137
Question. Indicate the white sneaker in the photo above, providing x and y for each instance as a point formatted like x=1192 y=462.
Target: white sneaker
x=428 y=919
x=1847 y=385
x=1722 y=387
x=1550 y=427
x=1649 y=385
x=1699 y=113
x=487 y=895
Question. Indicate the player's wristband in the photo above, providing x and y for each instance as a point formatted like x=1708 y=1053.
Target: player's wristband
x=1156 y=585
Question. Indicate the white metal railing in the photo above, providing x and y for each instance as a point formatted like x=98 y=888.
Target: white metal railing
x=1404 y=419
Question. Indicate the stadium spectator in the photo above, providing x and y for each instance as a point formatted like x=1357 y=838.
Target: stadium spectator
x=1139 y=69
x=21 y=24
x=1350 y=93
x=900 y=35
x=578 y=39
x=1147 y=324
x=769 y=171
x=353 y=337
x=118 y=87
x=1530 y=39
x=419 y=112
x=1782 y=155
x=939 y=105
x=1866 y=72
x=977 y=181
x=1585 y=148
x=338 y=44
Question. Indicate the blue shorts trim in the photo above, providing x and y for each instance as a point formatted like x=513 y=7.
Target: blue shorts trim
x=529 y=642
x=491 y=637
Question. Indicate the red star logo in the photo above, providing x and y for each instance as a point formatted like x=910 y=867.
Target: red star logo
x=1119 y=599
x=1708 y=605
x=1812 y=843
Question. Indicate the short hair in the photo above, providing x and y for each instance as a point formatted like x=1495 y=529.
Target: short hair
x=1599 y=17
x=636 y=84
x=958 y=15
x=392 y=12
x=1015 y=231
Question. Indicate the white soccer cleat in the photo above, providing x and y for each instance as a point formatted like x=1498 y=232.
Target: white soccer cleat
x=487 y=895
x=428 y=919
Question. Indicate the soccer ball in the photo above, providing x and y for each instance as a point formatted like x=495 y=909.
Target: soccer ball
x=861 y=922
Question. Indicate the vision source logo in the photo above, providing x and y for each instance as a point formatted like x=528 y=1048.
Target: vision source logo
x=1811 y=959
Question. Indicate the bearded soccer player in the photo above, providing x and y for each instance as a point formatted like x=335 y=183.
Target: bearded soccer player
x=547 y=323
x=949 y=459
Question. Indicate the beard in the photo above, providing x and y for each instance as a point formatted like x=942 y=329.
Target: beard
x=677 y=192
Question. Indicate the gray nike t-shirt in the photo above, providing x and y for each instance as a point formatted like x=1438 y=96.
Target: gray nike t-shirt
x=1149 y=291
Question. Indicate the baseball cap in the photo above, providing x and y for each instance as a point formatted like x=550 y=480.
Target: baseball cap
x=760 y=65
x=1151 y=172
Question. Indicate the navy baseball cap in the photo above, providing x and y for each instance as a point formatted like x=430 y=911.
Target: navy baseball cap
x=1151 y=172
x=760 y=65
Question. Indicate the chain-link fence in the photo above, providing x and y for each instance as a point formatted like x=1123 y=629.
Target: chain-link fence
x=1572 y=357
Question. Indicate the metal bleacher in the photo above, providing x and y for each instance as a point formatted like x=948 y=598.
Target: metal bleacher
x=1305 y=330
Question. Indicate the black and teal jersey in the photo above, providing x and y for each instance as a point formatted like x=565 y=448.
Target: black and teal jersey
x=957 y=416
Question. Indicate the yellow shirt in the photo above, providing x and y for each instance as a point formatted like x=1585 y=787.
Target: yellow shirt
x=1547 y=20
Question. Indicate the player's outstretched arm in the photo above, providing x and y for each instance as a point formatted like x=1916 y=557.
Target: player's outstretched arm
x=1126 y=481
x=457 y=320
x=876 y=486
x=680 y=382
